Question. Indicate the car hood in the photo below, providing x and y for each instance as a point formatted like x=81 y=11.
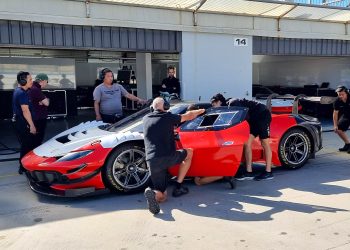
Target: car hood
x=72 y=139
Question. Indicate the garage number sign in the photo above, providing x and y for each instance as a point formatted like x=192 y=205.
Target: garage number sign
x=240 y=41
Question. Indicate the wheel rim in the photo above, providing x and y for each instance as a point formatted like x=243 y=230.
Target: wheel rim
x=296 y=148
x=130 y=169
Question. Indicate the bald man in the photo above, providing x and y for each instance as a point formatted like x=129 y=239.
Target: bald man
x=161 y=152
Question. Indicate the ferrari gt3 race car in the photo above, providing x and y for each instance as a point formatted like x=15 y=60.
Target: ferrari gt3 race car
x=96 y=156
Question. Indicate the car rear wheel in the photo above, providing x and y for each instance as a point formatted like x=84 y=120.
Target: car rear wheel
x=126 y=169
x=294 y=148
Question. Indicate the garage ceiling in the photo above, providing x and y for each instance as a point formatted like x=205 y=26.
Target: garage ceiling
x=274 y=9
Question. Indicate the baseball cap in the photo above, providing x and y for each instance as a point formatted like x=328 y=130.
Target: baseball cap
x=42 y=77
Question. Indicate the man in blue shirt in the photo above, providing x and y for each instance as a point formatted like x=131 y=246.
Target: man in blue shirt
x=22 y=111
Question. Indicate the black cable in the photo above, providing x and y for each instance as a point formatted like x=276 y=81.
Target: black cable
x=6 y=148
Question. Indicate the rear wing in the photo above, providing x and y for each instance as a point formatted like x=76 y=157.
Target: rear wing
x=296 y=99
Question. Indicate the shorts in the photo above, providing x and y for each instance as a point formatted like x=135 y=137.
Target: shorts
x=343 y=123
x=260 y=125
x=159 y=168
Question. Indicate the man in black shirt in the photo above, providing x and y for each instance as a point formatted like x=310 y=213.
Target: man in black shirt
x=23 y=115
x=341 y=116
x=171 y=84
x=161 y=152
x=259 y=119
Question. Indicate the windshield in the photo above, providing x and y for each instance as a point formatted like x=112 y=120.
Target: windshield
x=133 y=123
x=216 y=119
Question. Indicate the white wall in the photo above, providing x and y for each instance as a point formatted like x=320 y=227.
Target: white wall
x=210 y=63
x=298 y=71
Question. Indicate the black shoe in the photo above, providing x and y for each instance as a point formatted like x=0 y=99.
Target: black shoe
x=264 y=176
x=245 y=176
x=231 y=181
x=345 y=148
x=152 y=203
x=21 y=170
x=178 y=191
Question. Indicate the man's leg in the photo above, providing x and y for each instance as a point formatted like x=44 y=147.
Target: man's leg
x=342 y=134
x=265 y=143
x=185 y=165
x=248 y=153
x=267 y=175
x=343 y=125
x=159 y=177
x=206 y=180
x=248 y=174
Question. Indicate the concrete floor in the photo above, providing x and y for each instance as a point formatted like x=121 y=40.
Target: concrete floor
x=307 y=208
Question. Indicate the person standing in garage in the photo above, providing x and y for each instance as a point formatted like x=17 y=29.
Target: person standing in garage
x=22 y=115
x=40 y=105
x=341 y=116
x=107 y=98
x=171 y=84
x=161 y=152
x=259 y=119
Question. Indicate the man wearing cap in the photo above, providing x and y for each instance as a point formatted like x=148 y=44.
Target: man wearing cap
x=40 y=104
x=341 y=116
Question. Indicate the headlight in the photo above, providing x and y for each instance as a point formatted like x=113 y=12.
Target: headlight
x=74 y=155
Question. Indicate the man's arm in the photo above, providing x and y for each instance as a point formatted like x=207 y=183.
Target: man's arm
x=163 y=85
x=335 y=119
x=45 y=102
x=189 y=115
x=97 y=110
x=135 y=98
x=28 y=116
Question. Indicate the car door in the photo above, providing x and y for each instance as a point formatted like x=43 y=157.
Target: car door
x=217 y=139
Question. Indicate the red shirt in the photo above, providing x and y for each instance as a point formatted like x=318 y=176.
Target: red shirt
x=36 y=96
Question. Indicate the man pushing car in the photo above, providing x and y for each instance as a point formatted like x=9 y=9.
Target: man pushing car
x=161 y=152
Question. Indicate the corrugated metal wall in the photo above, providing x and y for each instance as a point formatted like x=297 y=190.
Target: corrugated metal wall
x=300 y=47
x=46 y=35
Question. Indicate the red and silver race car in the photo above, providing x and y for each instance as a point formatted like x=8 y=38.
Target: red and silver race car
x=94 y=156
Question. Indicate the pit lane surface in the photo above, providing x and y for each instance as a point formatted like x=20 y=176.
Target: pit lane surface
x=303 y=209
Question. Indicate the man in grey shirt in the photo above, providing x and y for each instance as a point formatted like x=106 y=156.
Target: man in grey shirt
x=107 y=98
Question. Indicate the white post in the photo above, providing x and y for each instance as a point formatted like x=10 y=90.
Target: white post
x=144 y=75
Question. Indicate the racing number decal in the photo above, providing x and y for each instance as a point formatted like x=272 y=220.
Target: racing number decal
x=240 y=42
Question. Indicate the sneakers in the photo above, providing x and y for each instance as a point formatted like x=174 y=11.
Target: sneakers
x=178 y=191
x=152 y=203
x=264 y=176
x=345 y=148
x=245 y=176
x=231 y=181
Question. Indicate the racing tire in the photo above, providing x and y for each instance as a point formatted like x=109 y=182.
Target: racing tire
x=126 y=170
x=294 y=149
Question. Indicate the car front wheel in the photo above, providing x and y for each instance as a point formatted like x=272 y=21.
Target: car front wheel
x=294 y=148
x=126 y=169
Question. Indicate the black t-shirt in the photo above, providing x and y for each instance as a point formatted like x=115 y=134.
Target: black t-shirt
x=254 y=108
x=159 y=137
x=21 y=97
x=342 y=107
x=172 y=85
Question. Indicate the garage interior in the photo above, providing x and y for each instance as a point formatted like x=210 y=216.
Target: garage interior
x=74 y=75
